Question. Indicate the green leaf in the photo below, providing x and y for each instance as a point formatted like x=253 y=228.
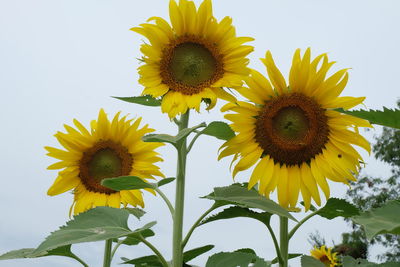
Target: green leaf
x=146 y=100
x=387 y=117
x=165 y=181
x=146 y=261
x=235 y=212
x=239 y=195
x=28 y=253
x=383 y=220
x=336 y=207
x=166 y=138
x=235 y=259
x=220 y=130
x=138 y=213
x=126 y=183
x=132 y=240
x=348 y=261
x=97 y=224
x=307 y=261
x=290 y=256
x=193 y=253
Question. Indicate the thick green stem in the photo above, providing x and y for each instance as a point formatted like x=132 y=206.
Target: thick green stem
x=177 y=254
x=107 y=253
x=184 y=242
x=284 y=241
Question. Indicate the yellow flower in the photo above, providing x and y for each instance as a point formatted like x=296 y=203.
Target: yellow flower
x=292 y=133
x=328 y=258
x=110 y=149
x=193 y=59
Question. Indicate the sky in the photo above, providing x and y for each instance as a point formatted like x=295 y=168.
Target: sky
x=61 y=60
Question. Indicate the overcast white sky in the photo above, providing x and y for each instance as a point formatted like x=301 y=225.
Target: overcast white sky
x=61 y=60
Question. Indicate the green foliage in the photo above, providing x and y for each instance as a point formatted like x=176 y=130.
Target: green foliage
x=28 y=253
x=381 y=220
x=220 y=130
x=290 y=256
x=387 y=147
x=166 y=138
x=351 y=262
x=165 y=181
x=235 y=259
x=97 y=224
x=239 y=195
x=236 y=212
x=335 y=207
x=308 y=261
x=146 y=100
x=133 y=240
x=387 y=117
x=138 y=213
x=193 y=253
x=146 y=261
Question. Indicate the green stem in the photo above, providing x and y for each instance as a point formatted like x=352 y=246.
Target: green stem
x=276 y=245
x=284 y=241
x=166 y=200
x=116 y=247
x=184 y=242
x=309 y=216
x=79 y=260
x=155 y=250
x=194 y=140
x=177 y=254
x=107 y=253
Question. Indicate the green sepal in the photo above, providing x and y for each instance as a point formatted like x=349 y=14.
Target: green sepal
x=145 y=100
x=387 y=117
x=383 y=220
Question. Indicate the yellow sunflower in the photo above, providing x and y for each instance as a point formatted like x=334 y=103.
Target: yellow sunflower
x=292 y=132
x=110 y=149
x=193 y=59
x=328 y=258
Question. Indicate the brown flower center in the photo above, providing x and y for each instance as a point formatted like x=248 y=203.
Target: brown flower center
x=190 y=64
x=325 y=260
x=105 y=159
x=292 y=128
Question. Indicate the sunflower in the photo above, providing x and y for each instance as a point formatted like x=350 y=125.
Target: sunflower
x=110 y=149
x=293 y=133
x=193 y=59
x=328 y=258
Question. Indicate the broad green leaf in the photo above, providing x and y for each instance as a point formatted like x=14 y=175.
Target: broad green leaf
x=239 y=195
x=387 y=117
x=348 y=261
x=126 y=183
x=235 y=212
x=165 y=181
x=138 y=213
x=166 y=138
x=307 y=261
x=220 y=130
x=336 y=207
x=146 y=100
x=97 y=224
x=383 y=220
x=291 y=256
x=28 y=253
x=146 y=261
x=132 y=240
x=193 y=253
x=235 y=259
